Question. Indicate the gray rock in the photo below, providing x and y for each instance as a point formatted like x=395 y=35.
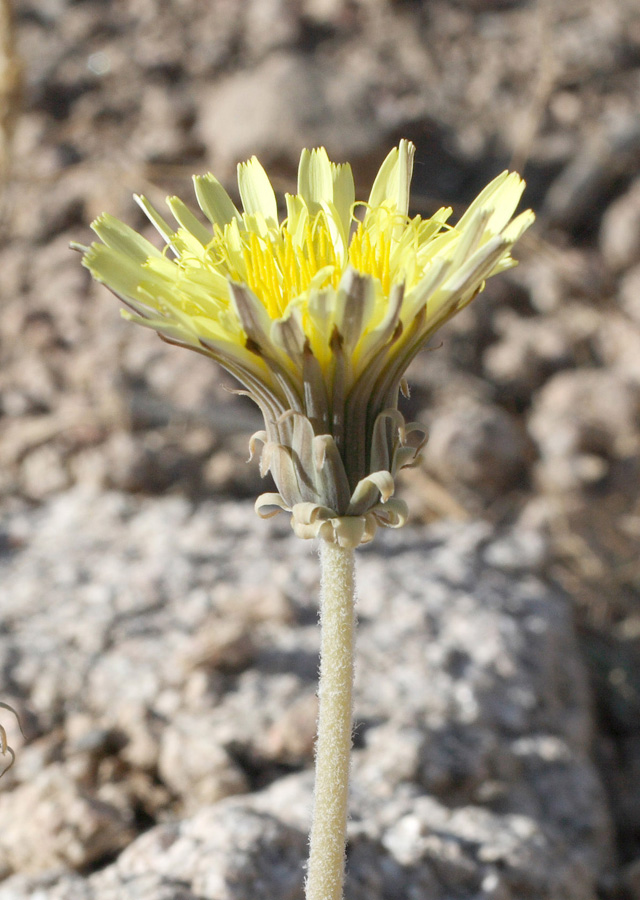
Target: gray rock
x=618 y=345
x=527 y=353
x=52 y=822
x=521 y=549
x=194 y=766
x=609 y=152
x=620 y=230
x=227 y=852
x=478 y=445
x=582 y=421
x=471 y=773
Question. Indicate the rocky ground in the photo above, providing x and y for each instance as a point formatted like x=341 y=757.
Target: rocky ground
x=130 y=640
x=169 y=675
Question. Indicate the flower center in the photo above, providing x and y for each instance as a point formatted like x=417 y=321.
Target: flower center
x=281 y=265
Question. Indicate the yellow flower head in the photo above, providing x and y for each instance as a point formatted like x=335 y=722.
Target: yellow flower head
x=318 y=316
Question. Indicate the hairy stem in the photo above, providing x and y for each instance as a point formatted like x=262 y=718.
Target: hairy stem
x=329 y=826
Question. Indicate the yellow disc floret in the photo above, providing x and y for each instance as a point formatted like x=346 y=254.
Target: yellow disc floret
x=279 y=266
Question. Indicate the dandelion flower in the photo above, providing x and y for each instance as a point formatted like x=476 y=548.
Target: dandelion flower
x=317 y=315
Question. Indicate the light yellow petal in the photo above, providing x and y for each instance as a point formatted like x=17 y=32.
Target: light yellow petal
x=214 y=201
x=323 y=185
x=392 y=184
x=472 y=272
x=297 y=215
x=517 y=228
x=470 y=237
x=160 y=224
x=256 y=191
x=164 y=326
x=344 y=194
x=117 y=270
x=434 y=277
x=501 y=197
x=123 y=239
x=315 y=181
x=299 y=222
x=187 y=244
x=484 y=198
x=188 y=221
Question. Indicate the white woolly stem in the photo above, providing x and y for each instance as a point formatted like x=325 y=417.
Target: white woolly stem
x=325 y=874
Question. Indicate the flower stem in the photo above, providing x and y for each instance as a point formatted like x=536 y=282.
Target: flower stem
x=329 y=825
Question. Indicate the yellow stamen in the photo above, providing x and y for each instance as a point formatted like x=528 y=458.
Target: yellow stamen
x=278 y=268
x=371 y=259
x=385 y=252
x=311 y=256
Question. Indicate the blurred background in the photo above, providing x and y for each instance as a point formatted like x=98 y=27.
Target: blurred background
x=532 y=395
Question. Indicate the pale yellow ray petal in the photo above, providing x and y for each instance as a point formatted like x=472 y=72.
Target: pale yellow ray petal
x=297 y=214
x=344 y=195
x=315 y=181
x=501 y=197
x=514 y=230
x=118 y=271
x=188 y=221
x=256 y=191
x=393 y=181
x=123 y=239
x=160 y=224
x=213 y=200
